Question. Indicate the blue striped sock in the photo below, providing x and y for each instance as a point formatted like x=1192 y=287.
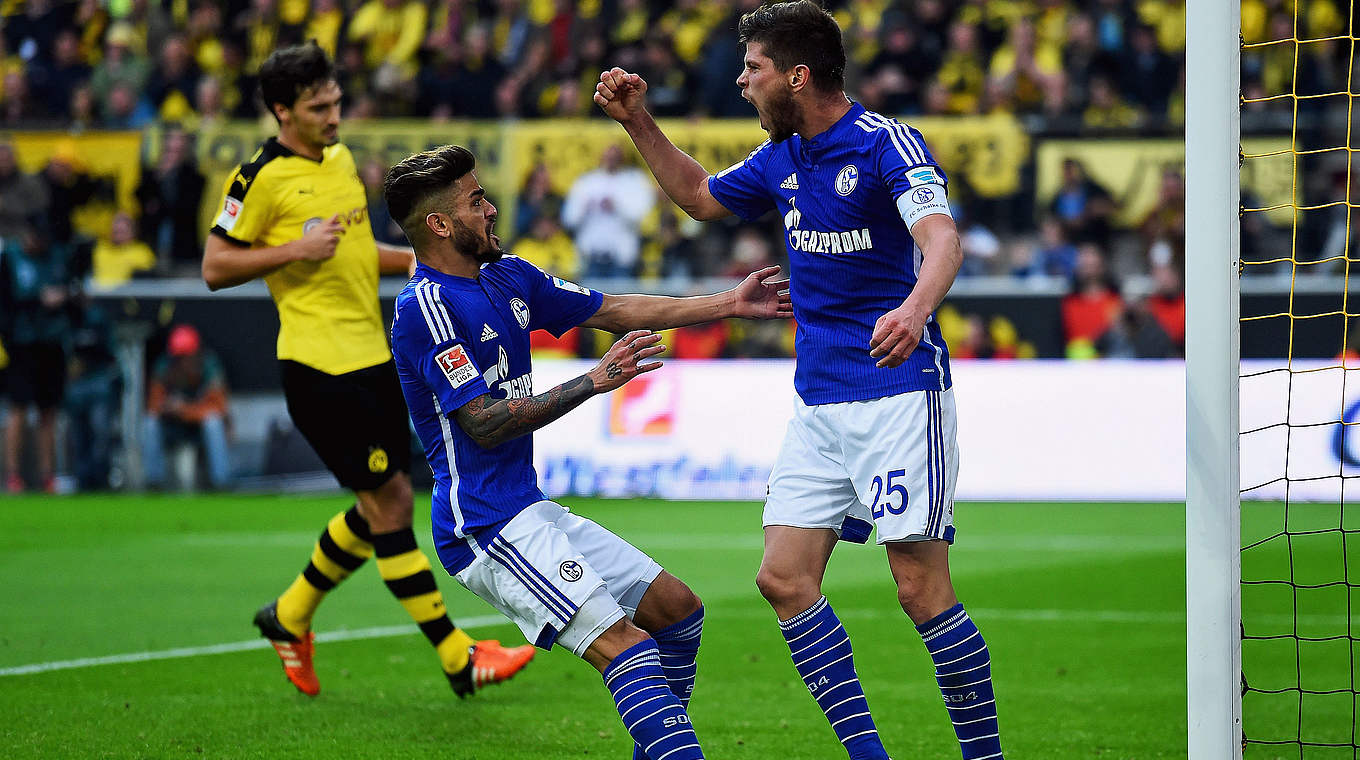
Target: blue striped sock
x=963 y=668
x=821 y=652
x=653 y=715
x=679 y=645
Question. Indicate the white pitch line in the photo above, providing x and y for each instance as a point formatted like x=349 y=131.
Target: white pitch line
x=236 y=646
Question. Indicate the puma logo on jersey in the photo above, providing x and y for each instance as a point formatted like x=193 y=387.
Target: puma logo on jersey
x=790 y=182
x=487 y=332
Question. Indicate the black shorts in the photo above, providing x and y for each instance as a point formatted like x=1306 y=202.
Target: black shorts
x=356 y=422
x=37 y=375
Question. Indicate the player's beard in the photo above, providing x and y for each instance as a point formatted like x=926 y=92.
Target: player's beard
x=483 y=249
x=781 y=116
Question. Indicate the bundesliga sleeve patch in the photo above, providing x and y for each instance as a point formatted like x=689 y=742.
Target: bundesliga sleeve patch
x=231 y=211
x=456 y=365
x=569 y=285
x=924 y=175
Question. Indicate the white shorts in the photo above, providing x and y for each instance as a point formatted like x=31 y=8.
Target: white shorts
x=560 y=577
x=890 y=463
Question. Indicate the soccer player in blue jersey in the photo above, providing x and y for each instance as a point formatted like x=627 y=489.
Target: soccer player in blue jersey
x=461 y=340
x=872 y=250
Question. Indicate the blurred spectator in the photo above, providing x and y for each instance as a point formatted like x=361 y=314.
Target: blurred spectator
x=121 y=255
x=1106 y=109
x=35 y=285
x=170 y=194
x=385 y=229
x=56 y=79
x=186 y=404
x=1149 y=73
x=92 y=390
x=548 y=247
x=173 y=83
x=67 y=187
x=123 y=109
x=751 y=250
x=1054 y=256
x=1092 y=306
x=960 y=73
x=122 y=69
x=1135 y=334
x=536 y=199
x=17 y=106
x=1163 y=228
x=604 y=209
x=1028 y=72
x=391 y=32
x=1085 y=208
x=1167 y=303
x=902 y=68
x=22 y=196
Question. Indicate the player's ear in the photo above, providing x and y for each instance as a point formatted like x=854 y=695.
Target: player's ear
x=439 y=224
x=799 y=77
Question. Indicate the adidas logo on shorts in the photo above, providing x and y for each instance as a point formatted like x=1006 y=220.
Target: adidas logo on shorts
x=790 y=182
x=487 y=332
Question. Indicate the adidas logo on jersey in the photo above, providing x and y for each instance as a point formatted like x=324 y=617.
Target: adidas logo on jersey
x=487 y=332
x=790 y=182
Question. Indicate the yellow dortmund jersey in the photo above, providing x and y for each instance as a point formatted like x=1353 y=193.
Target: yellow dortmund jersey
x=328 y=310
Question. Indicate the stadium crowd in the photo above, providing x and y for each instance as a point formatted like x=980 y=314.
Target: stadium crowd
x=1106 y=67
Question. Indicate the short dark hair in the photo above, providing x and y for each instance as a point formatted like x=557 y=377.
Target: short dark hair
x=799 y=32
x=415 y=179
x=289 y=72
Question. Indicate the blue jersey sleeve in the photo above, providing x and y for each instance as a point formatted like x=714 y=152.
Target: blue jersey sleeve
x=425 y=346
x=556 y=305
x=903 y=161
x=741 y=188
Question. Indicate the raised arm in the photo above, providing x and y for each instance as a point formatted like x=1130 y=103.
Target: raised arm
x=754 y=298
x=394 y=259
x=491 y=422
x=621 y=95
x=226 y=264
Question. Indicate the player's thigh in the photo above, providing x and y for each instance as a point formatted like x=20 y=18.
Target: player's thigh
x=356 y=422
x=533 y=574
x=902 y=453
x=628 y=572
x=809 y=485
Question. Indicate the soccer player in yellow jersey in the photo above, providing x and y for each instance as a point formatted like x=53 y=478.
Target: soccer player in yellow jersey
x=296 y=215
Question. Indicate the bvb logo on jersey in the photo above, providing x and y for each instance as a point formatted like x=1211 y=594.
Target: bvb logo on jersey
x=377 y=459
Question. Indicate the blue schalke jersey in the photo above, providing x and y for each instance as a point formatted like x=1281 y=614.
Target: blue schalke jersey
x=852 y=258
x=457 y=338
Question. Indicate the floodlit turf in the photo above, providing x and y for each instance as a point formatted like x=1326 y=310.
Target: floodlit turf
x=1082 y=606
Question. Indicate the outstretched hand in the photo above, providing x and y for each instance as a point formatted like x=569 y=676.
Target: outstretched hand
x=757 y=299
x=624 y=360
x=620 y=94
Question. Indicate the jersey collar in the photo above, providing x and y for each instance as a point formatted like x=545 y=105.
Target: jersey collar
x=450 y=280
x=833 y=132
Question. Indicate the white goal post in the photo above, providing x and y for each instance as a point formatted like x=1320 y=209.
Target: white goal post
x=1212 y=518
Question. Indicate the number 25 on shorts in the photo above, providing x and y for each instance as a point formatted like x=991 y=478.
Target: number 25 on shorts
x=880 y=502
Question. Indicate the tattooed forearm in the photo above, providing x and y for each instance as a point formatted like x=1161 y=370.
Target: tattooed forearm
x=492 y=422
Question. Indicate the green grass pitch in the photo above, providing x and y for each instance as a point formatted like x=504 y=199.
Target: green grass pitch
x=1082 y=606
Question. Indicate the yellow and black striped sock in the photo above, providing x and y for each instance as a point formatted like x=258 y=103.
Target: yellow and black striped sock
x=342 y=548
x=408 y=576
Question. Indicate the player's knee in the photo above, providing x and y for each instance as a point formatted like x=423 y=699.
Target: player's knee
x=781 y=589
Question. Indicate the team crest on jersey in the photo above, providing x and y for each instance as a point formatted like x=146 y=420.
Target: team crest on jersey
x=521 y=310
x=570 y=571
x=377 y=460
x=922 y=195
x=456 y=366
x=847 y=180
